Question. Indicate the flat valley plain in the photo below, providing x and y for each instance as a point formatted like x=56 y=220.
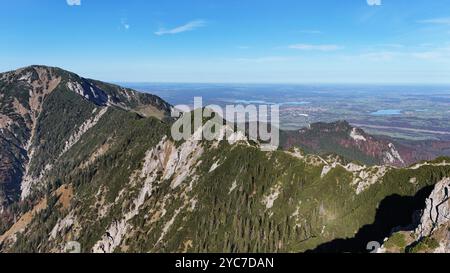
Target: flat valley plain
x=405 y=112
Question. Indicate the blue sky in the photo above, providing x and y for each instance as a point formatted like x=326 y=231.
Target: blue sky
x=279 y=41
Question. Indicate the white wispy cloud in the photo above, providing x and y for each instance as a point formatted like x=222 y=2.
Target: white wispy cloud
x=437 y=21
x=73 y=2
x=374 y=2
x=186 y=27
x=315 y=47
x=124 y=24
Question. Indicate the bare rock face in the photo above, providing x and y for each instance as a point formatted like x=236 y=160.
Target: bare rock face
x=29 y=99
x=22 y=95
x=437 y=210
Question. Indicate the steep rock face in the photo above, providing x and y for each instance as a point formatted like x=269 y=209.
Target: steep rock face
x=45 y=110
x=430 y=227
x=23 y=93
x=164 y=162
x=437 y=210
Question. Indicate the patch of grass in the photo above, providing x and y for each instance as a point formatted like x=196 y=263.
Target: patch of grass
x=425 y=245
x=397 y=240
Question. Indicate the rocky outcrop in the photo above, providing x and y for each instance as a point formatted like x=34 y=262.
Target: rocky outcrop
x=432 y=225
x=437 y=209
x=164 y=163
x=88 y=124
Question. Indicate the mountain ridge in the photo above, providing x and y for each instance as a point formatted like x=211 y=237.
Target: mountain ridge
x=113 y=180
x=354 y=143
x=29 y=91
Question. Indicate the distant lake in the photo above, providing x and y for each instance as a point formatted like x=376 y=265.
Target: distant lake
x=387 y=112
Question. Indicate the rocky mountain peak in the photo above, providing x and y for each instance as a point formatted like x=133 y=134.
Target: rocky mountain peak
x=41 y=80
x=44 y=110
x=342 y=138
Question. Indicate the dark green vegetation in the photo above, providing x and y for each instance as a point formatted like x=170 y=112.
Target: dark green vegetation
x=129 y=136
x=41 y=108
x=122 y=185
